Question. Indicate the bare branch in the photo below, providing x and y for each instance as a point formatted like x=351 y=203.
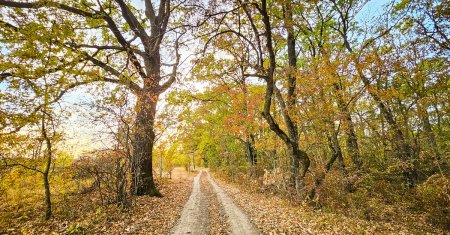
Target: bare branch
x=133 y=22
x=173 y=75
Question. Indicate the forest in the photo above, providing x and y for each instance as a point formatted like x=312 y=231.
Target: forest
x=224 y=117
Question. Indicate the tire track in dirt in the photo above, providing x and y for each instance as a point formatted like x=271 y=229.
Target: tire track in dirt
x=210 y=211
x=194 y=217
x=237 y=220
x=217 y=217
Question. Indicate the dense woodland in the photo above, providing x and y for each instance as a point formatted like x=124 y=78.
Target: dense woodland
x=323 y=104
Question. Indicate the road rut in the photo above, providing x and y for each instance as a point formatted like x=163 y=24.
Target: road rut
x=195 y=219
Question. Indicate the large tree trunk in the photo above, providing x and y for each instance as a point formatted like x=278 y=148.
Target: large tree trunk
x=143 y=61
x=144 y=136
x=299 y=166
x=290 y=139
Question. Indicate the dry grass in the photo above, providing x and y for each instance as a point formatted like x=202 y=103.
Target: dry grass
x=81 y=214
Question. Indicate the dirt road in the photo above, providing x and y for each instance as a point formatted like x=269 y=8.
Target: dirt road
x=195 y=218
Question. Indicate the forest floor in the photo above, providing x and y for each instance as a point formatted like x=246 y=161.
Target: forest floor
x=234 y=209
x=274 y=215
x=193 y=203
x=82 y=214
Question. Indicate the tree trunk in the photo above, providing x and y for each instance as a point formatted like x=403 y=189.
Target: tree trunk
x=250 y=149
x=401 y=146
x=298 y=157
x=299 y=167
x=144 y=136
x=160 y=166
x=428 y=131
x=45 y=173
x=48 y=203
x=336 y=154
x=352 y=141
x=121 y=192
x=402 y=149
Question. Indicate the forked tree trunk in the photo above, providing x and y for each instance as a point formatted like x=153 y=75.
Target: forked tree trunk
x=299 y=158
x=352 y=140
x=144 y=59
x=290 y=138
x=336 y=154
x=299 y=167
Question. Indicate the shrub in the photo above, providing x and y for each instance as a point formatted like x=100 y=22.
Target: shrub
x=433 y=196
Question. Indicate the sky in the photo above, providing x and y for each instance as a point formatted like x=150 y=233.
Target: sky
x=83 y=135
x=372 y=9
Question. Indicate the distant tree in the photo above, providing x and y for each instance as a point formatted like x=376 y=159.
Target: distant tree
x=34 y=154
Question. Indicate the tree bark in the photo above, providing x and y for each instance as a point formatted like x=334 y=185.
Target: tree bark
x=45 y=173
x=144 y=137
x=297 y=156
x=336 y=154
x=144 y=62
x=48 y=202
x=352 y=139
x=250 y=149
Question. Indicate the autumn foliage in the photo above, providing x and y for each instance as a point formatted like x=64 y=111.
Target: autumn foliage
x=335 y=112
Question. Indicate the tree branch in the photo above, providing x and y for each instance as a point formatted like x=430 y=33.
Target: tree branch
x=131 y=85
x=39 y=4
x=115 y=30
x=173 y=75
x=133 y=22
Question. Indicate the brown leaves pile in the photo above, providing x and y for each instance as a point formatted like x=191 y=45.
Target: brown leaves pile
x=273 y=215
